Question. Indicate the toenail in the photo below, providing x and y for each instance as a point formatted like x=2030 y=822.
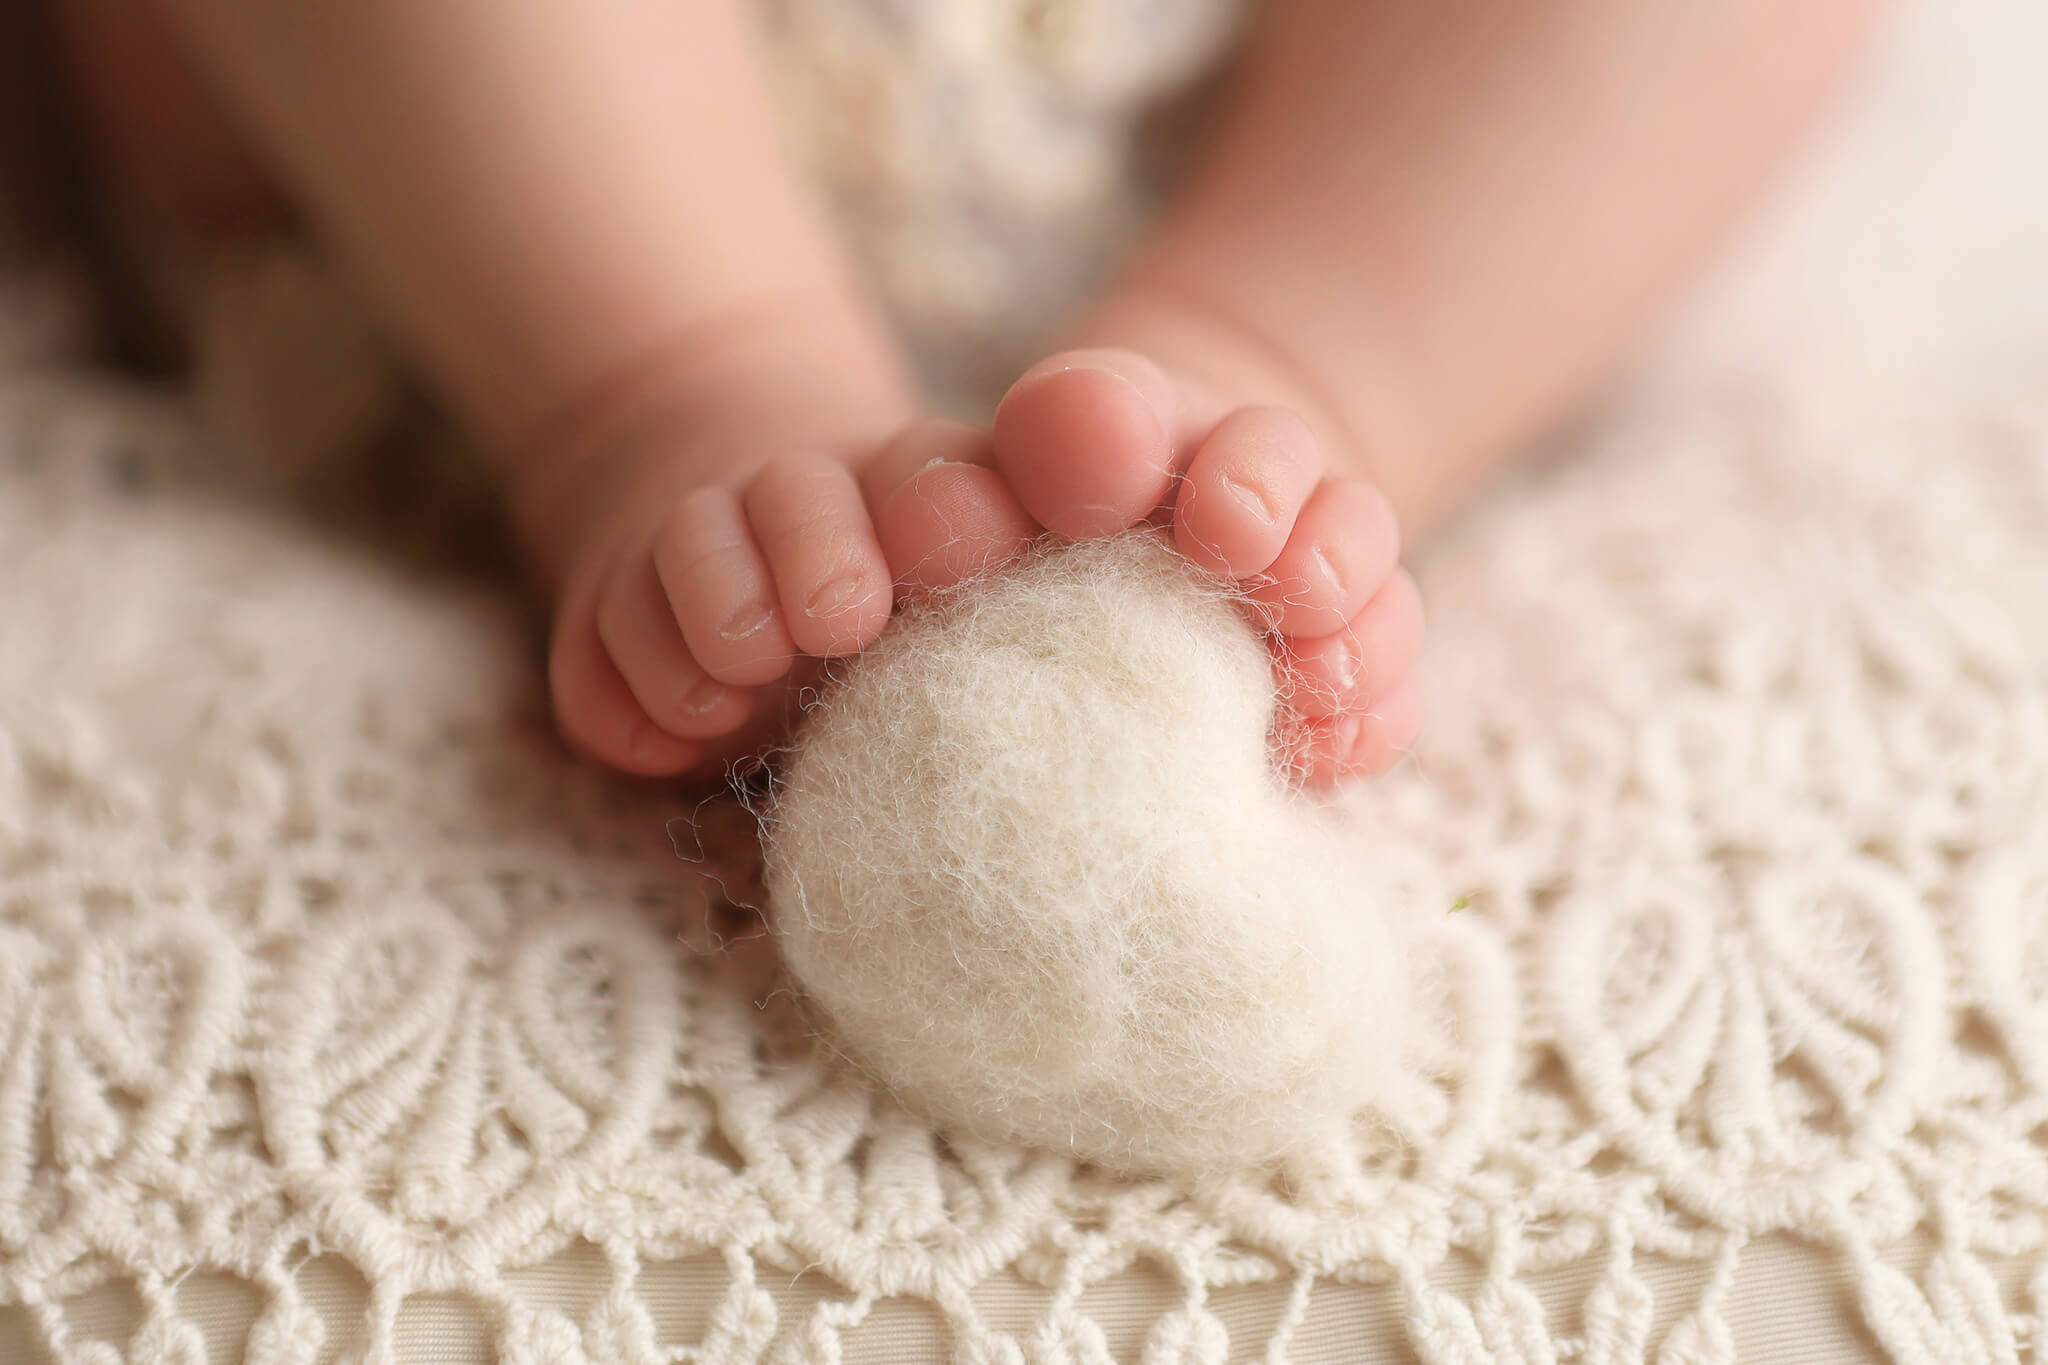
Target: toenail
x=708 y=695
x=834 y=598
x=746 y=624
x=1345 y=666
x=1253 y=500
x=1327 y=565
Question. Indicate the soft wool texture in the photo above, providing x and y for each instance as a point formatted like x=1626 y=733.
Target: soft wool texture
x=1034 y=860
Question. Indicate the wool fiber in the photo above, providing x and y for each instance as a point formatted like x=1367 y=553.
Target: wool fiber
x=1035 y=864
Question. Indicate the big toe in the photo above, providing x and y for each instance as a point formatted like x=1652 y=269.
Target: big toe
x=1087 y=440
x=941 y=513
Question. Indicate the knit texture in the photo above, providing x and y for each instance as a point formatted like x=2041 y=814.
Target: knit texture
x=1727 y=844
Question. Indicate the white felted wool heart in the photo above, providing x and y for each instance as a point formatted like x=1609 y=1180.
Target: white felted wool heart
x=1033 y=860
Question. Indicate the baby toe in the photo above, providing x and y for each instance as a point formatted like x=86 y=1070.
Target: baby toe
x=1343 y=546
x=598 y=713
x=1244 y=489
x=923 y=443
x=639 y=633
x=1359 y=744
x=1386 y=730
x=951 y=522
x=831 y=579
x=720 y=590
x=1329 y=674
x=942 y=513
x=1087 y=439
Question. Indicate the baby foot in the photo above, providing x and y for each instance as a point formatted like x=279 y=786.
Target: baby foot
x=1090 y=442
x=710 y=581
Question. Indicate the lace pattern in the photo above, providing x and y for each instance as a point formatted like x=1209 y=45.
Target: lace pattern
x=1730 y=839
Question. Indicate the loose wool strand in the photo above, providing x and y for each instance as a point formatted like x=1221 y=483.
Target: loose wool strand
x=1034 y=862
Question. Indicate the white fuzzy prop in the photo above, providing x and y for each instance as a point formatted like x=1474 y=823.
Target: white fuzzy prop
x=1036 y=865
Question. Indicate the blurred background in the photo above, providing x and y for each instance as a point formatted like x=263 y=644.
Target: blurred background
x=986 y=191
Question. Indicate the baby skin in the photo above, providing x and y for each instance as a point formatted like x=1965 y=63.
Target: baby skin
x=674 y=643
x=1420 y=235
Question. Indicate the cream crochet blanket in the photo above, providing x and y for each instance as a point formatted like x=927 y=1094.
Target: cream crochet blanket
x=320 y=965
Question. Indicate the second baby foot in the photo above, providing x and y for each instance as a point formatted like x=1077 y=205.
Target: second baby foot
x=1091 y=442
